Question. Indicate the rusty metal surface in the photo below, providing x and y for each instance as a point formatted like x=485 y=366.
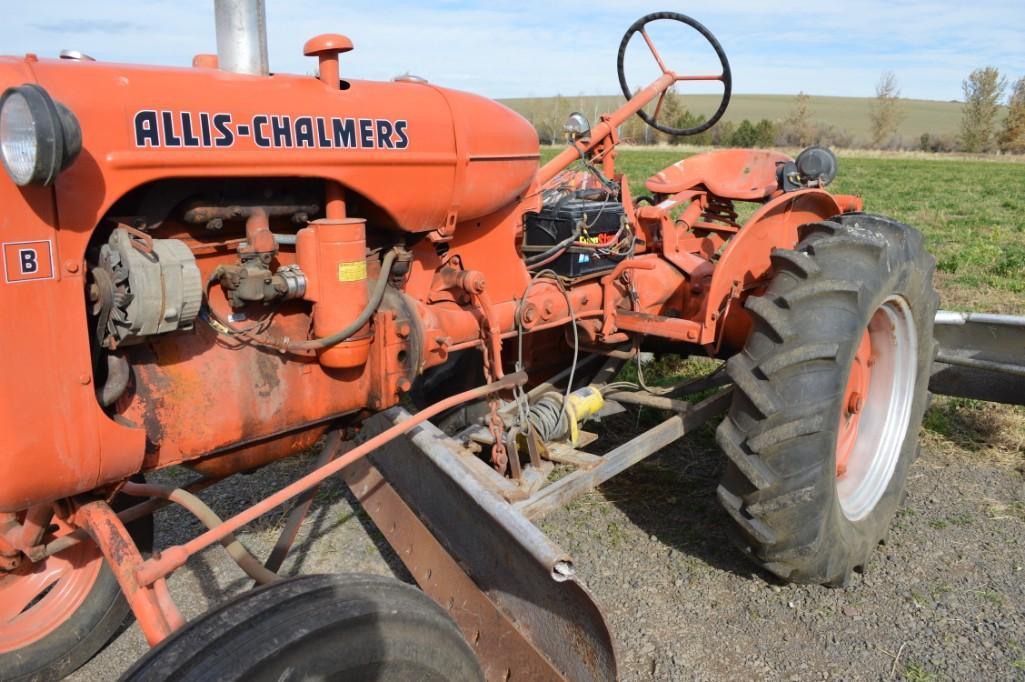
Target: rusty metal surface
x=154 y=610
x=203 y=213
x=504 y=651
x=525 y=575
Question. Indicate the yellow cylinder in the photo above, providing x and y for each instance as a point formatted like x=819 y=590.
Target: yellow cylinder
x=583 y=404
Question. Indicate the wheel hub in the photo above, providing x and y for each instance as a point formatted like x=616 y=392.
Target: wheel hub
x=37 y=598
x=876 y=408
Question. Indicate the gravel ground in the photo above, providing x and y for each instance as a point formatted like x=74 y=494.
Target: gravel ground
x=943 y=599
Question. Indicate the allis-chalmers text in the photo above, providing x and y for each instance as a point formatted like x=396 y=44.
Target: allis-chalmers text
x=197 y=130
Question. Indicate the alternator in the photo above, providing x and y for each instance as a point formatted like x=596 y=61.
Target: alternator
x=144 y=286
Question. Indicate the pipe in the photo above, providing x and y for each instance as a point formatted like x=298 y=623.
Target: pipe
x=334 y=202
x=956 y=319
x=341 y=335
x=173 y=557
x=236 y=550
x=118 y=374
x=242 y=36
x=126 y=516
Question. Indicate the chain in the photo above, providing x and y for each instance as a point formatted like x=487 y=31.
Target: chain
x=499 y=455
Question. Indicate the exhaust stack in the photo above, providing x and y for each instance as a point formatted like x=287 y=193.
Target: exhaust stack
x=242 y=36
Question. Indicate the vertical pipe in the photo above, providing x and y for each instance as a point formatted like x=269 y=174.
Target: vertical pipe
x=328 y=71
x=242 y=36
x=334 y=200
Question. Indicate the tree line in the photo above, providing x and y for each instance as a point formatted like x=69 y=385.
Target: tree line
x=981 y=129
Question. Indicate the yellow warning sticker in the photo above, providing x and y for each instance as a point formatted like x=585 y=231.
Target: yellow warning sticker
x=352 y=271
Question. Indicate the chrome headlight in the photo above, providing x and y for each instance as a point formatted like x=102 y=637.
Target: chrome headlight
x=38 y=136
x=577 y=125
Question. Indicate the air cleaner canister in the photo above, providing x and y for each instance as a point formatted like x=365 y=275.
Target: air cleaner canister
x=333 y=255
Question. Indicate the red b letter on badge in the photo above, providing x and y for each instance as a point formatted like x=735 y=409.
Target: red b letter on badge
x=28 y=261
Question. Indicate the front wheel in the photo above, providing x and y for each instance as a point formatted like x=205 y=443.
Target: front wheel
x=350 y=628
x=57 y=613
x=830 y=392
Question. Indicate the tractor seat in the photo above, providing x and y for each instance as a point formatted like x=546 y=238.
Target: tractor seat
x=741 y=174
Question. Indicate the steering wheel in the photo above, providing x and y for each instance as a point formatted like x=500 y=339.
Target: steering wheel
x=725 y=77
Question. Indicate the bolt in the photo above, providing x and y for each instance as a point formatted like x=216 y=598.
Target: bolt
x=71 y=266
x=474 y=282
x=404 y=385
x=402 y=330
x=856 y=403
x=529 y=313
x=84 y=379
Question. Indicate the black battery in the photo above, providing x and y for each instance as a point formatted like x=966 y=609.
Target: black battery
x=558 y=221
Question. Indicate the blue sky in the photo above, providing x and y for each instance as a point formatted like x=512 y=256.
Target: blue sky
x=545 y=47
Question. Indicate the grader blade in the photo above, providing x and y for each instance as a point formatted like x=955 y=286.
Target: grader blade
x=980 y=356
x=511 y=590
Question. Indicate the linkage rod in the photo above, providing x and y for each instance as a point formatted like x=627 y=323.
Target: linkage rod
x=173 y=557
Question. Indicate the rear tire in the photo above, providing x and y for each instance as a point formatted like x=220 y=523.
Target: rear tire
x=336 y=627
x=856 y=288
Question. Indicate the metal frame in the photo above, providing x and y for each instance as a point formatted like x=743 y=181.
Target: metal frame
x=980 y=356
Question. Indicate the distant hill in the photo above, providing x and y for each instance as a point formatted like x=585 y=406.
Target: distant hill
x=847 y=113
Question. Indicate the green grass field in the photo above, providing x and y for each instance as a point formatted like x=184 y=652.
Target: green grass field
x=971 y=212
x=847 y=113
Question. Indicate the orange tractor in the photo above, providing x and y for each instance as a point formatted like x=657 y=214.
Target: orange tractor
x=217 y=267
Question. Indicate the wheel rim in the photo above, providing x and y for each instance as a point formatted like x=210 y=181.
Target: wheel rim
x=876 y=408
x=38 y=597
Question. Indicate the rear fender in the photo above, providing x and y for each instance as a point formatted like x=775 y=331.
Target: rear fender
x=745 y=261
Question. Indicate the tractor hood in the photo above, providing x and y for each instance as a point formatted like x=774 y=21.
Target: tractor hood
x=424 y=156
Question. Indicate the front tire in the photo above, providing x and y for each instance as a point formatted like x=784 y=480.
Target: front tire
x=317 y=627
x=830 y=392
